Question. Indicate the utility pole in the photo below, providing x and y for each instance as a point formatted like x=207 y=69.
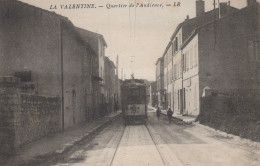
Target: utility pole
x=117 y=62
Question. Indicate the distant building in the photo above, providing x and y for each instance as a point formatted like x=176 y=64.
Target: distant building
x=160 y=82
x=153 y=94
x=110 y=88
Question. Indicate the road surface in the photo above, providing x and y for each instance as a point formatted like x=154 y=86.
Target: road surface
x=159 y=143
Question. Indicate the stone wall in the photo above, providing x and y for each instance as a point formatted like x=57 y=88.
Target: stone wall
x=38 y=116
x=9 y=104
x=24 y=117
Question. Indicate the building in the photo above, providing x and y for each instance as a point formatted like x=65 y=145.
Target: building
x=49 y=56
x=211 y=50
x=173 y=63
x=117 y=87
x=153 y=94
x=202 y=52
x=110 y=88
x=160 y=82
x=98 y=43
x=168 y=81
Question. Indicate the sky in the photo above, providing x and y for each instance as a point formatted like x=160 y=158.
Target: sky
x=138 y=36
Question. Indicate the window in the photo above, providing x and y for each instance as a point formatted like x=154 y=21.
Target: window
x=184 y=62
x=176 y=44
x=187 y=60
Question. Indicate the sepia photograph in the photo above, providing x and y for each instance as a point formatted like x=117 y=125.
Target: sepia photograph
x=129 y=82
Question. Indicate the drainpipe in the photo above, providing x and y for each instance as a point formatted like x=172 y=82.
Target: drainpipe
x=183 y=97
x=62 y=77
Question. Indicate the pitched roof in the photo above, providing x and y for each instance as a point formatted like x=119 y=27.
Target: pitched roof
x=159 y=59
x=88 y=34
x=110 y=61
x=244 y=11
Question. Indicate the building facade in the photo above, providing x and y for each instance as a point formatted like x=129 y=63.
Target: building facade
x=213 y=49
x=160 y=82
x=153 y=94
x=46 y=52
x=98 y=44
x=203 y=51
x=110 y=88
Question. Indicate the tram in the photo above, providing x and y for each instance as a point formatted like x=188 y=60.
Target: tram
x=134 y=106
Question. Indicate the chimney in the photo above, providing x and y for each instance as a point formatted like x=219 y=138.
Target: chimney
x=251 y=2
x=200 y=7
x=223 y=9
x=187 y=17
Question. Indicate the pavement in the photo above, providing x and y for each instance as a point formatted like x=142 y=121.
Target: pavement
x=186 y=119
x=58 y=143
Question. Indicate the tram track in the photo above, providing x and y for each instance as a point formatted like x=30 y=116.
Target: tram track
x=155 y=144
x=152 y=138
x=118 y=145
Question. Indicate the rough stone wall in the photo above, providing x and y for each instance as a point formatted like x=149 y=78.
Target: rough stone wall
x=38 y=116
x=9 y=104
x=23 y=117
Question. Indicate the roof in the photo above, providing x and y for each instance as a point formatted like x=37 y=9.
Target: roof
x=62 y=18
x=192 y=24
x=88 y=34
x=244 y=11
x=37 y=8
x=159 y=59
x=110 y=61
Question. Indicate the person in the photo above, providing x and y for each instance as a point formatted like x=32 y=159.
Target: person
x=158 y=112
x=169 y=114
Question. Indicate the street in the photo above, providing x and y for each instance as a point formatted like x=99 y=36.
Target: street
x=160 y=143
